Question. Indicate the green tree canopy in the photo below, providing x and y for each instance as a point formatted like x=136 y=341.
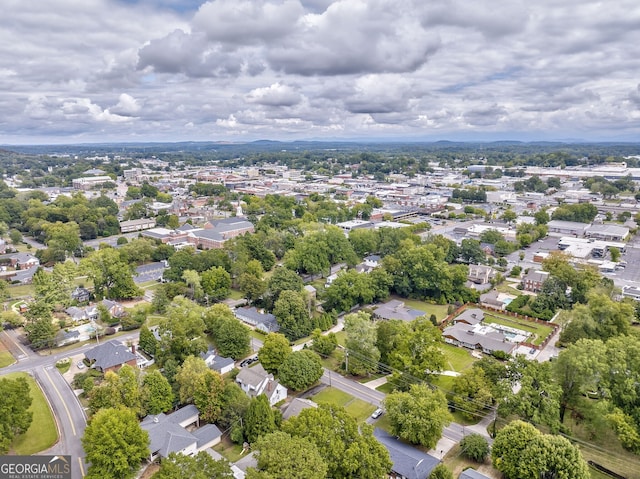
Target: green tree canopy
x=15 y=417
x=363 y=355
x=200 y=466
x=273 y=352
x=114 y=444
x=281 y=456
x=300 y=369
x=419 y=415
x=349 y=450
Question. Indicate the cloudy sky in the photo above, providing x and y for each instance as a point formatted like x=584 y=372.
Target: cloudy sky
x=76 y=71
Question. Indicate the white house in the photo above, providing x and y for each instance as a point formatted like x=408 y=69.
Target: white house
x=255 y=381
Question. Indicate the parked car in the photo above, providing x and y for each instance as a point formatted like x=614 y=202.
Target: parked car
x=248 y=361
x=377 y=413
x=80 y=365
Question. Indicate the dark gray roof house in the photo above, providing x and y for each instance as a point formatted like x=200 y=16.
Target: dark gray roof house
x=396 y=309
x=168 y=433
x=217 y=363
x=408 y=462
x=264 y=321
x=110 y=356
x=472 y=474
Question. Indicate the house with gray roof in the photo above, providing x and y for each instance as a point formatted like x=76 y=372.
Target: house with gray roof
x=265 y=322
x=217 y=363
x=296 y=406
x=395 y=309
x=477 y=337
x=110 y=356
x=408 y=462
x=472 y=474
x=169 y=433
x=255 y=381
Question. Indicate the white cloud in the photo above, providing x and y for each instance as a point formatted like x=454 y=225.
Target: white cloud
x=285 y=69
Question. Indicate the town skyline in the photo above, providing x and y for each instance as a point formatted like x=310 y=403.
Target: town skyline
x=318 y=70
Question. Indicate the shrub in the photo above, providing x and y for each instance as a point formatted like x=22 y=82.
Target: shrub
x=475 y=447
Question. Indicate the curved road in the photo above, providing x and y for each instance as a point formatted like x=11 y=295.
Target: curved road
x=69 y=414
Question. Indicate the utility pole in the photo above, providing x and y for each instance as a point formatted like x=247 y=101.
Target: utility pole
x=346 y=361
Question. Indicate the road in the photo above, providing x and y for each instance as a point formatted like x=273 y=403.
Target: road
x=70 y=416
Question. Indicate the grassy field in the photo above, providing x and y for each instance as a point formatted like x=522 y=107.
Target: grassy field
x=20 y=290
x=457 y=359
x=235 y=294
x=42 y=433
x=6 y=359
x=356 y=408
x=541 y=331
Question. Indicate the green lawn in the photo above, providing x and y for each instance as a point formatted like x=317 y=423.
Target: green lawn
x=6 y=359
x=42 y=433
x=341 y=336
x=541 y=331
x=358 y=409
x=232 y=452
x=457 y=359
x=20 y=290
x=457 y=463
x=235 y=294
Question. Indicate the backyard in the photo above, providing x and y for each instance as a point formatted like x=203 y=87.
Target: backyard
x=440 y=310
x=540 y=331
x=358 y=409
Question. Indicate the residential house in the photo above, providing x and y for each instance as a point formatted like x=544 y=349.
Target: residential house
x=115 y=309
x=533 y=280
x=372 y=261
x=480 y=274
x=255 y=381
x=395 y=309
x=496 y=300
x=479 y=337
x=21 y=261
x=265 y=322
x=81 y=295
x=77 y=314
x=408 y=462
x=169 y=433
x=217 y=363
x=110 y=356
x=296 y=406
x=472 y=474
x=470 y=316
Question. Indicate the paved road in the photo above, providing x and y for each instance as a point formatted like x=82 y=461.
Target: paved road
x=70 y=416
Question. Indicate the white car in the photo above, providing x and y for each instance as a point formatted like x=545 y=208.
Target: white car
x=80 y=365
x=377 y=413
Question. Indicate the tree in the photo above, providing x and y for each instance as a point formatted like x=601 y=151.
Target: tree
x=114 y=444
x=509 y=216
x=520 y=451
x=192 y=278
x=323 y=344
x=147 y=341
x=216 y=283
x=419 y=415
x=189 y=376
x=181 y=332
x=280 y=455
x=207 y=395
x=112 y=278
x=417 y=354
x=259 y=419
x=362 y=353
x=475 y=447
x=40 y=331
x=441 y=472
x=300 y=369
x=292 y=316
x=579 y=369
x=273 y=352
x=200 y=466
x=283 y=279
x=230 y=336
x=472 y=393
x=156 y=393
x=234 y=403
x=15 y=417
x=349 y=450
x=471 y=252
